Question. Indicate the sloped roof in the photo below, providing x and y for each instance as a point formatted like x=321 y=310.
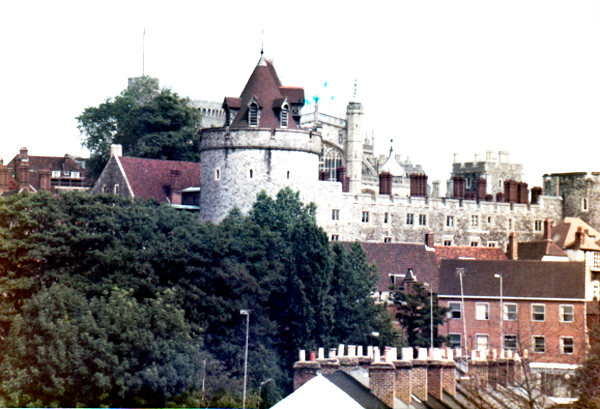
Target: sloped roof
x=265 y=87
x=468 y=252
x=38 y=163
x=318 y=393
x=397 y=258
x=357 y=391
x=521 y=278
x=563 y=234
x=537 y=250
x=392 y=166
x=150 y=178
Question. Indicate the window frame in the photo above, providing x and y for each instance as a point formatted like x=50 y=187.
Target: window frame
x=562 y=314
x=410 y=219
x=563 y=346
x=335 y=237
x=365 y=216
x=477 y=344
x=536 y=345
x=513 y=338
x=453 y=311
x=533 y=313
x=449 y=221
x=474 y=220
x=452 y=342
x=487 y=311
x=335 y=214
x=507 y=313
x=422 y=220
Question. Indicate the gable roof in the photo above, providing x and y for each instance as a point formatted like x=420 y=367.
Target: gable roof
x=534 y=279
x=265 y=87
x=537 y=250
x=151 y=178
x=355 y=389
x=318 y=393
x=563 y=234
x=397 y=258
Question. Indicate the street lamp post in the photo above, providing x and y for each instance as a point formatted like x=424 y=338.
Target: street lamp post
x=461 y=272
x=430 y=311
x=263 y=383
x=247 y=314
x=501 y=314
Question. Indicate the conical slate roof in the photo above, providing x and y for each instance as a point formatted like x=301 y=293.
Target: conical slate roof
x=392 y=166
x=265 y=88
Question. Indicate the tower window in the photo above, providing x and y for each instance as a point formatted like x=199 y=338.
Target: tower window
x=217 y=174
x=284 y=117
x=288 y=174
x=251 y=173
x=253 y=114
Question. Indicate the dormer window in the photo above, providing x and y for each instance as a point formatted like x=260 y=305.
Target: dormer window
x=284 y=116
x=253 y=114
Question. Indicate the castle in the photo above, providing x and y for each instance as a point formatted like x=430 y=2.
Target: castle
x=260 y=140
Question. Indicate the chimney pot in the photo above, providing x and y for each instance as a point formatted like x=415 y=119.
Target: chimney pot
x=312 y=355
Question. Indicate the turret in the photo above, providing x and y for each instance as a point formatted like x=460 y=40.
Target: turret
x=354 y=145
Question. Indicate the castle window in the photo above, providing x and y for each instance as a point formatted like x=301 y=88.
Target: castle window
x=492 y=244
x=422 y=220
x=387 y=239
x=474 y=220
x=253 y=114
x=335 y=237
x=449 y=221
x=251 y=173
x=410 y=219
x=538 y=225
x=365 y=217
x=103 y=188
x=284 y=117
x=330 y=161
x=474 y=243
x=341 y=137
x=510 y=224
x=227 y=116
x=385 y=218
x=116 y=189
x=217 y=174
x=447 y=243
x=335 y=214
x=288 y=174
x=584 y=204
x=468 y=182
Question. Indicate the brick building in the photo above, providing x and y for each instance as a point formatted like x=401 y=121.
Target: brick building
x=544 y=308
x=34 y=173
x=173 y=182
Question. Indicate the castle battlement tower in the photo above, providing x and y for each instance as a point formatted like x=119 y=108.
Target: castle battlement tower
x=260 y=147
x=354 y=146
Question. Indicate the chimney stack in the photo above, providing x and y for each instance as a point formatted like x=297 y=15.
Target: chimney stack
x=547 y=229
x=481 y=189
x=44 y=176
x=513 y=247
x=536 y=192
x=385 y=183
x=429 y=239
x=579 y=238
x=116 y=150
x=3 y=177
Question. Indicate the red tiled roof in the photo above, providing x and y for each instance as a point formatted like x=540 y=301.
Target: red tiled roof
x=264 y=85
x=536 y=279
x=295 y=95
x=57 y=163
x=233 y=102
x=151 y=178
x=563 y=234
x=468 y=252
x=397 y=258
x=536 y=250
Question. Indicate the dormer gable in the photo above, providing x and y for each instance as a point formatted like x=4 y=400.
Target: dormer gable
x=281 y=107
x=253 y=112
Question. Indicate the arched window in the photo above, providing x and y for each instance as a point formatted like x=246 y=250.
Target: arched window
x=217 y=174
x=253 y=114
x=251 y=173
x=330 y=161
x=284 y=116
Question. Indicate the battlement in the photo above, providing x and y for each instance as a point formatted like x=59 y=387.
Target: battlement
x=260 y=138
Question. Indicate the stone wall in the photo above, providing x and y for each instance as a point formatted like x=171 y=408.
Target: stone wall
x=580 y=192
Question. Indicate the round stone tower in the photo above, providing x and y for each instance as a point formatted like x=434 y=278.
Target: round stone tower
x=261 y=147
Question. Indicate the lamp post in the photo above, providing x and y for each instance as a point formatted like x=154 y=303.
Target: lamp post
x=260 y=389
x=247 y=314
x=461 y=273
x=501 y=314
x=430 y=312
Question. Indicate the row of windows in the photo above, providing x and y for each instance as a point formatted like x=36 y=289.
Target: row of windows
x=538 y=311
x=510 y=342
x=58 y=173
x=422 y=219
x=254 y=115
x=251 y=174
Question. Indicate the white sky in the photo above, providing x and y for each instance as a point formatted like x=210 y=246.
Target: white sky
x=437 y=77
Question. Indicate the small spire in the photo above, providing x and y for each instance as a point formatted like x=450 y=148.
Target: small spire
x=354 y=97
x=391 y=146
x=262 y=60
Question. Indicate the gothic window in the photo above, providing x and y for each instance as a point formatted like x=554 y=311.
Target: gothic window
x=284 y=116
x=253 y=114
x=330 y=161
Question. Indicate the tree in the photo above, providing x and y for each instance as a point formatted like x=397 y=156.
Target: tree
x=586 y=382
x=111 y=350
x=413 y=303
x=147 y=121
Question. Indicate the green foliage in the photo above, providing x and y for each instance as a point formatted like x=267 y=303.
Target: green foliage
x=147 y=121
x=111 y=301
x=586 y=382
x=414 y=314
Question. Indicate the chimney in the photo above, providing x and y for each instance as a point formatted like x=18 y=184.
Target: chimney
x=511 y=191
x=175 y=193
x=384 y=186
x=381 y=381
x=116 y=150
x=536 y=192
x=23 y=173
x=513 y=247
x=304 y=370
x=481 y=189
x=3 y=178
x=44 y=176
x=435 y=189
x=341 y=177
x=579 y=238
x=23 y=154
x=547 y=229
x=323 y=175
x=523 y=193
x=429 y=239
x=459 y=187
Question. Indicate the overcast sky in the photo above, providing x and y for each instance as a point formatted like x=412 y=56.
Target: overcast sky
x=437 y=77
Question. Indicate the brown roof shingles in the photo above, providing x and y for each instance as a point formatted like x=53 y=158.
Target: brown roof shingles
x=537 y=250
x=534 y=279
x=150 y=178
x=468 y=252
